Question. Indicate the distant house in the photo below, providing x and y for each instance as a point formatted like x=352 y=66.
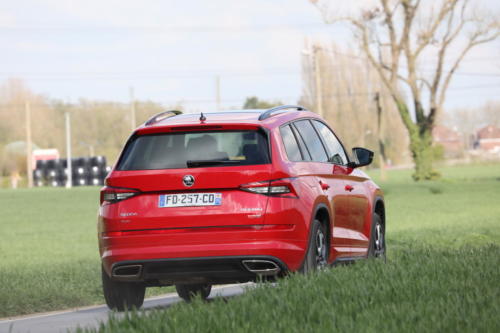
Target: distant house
x=451 y=141
x=488 y=139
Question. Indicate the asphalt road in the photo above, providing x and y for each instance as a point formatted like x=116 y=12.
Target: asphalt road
x=65 y=321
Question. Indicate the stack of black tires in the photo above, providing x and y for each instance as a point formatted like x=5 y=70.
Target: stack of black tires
x=86 y=171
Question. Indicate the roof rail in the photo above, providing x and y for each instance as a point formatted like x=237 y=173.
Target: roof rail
x=161 y=116
x=270 y=112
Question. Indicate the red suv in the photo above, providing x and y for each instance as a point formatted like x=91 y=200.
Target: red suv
x=234 y=196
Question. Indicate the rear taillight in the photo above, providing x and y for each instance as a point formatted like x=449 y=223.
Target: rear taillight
x=279 y=187
x=111 y=195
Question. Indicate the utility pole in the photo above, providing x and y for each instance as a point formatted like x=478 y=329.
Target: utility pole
x=69 y=181
x=29 y=146
x=132 y=109
x=317 y=77
x=217 y=92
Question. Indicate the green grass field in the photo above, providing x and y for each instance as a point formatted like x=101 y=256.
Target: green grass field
x=49 y=258
x=442 y=273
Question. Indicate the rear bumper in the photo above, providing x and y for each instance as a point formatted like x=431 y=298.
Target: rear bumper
x=213 y=270
x=213 y=255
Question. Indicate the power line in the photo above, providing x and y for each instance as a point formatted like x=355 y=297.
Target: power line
x=475 y=86
x=152 y=76
x=364 y=58
x=160 y=29
x=237 y=100
x=428 y=70
x=111 y=76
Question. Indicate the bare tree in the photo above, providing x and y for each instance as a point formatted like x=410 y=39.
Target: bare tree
x=397 y=36
x=348 y=96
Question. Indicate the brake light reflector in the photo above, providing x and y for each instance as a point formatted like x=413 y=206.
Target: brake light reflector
x=281 y=187
x=115 y=194
x=278 y=189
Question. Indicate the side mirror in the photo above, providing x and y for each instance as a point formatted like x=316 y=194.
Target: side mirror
x=361 y=156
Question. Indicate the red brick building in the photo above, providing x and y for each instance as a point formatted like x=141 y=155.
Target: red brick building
x=488 y=139
x=451 y=140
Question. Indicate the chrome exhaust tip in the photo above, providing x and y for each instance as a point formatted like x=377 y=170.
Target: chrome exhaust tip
x=127 y=271
x=261 y=267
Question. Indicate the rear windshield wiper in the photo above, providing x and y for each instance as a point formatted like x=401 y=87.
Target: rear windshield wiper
x=200 y=163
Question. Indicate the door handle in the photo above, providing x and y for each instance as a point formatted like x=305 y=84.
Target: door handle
x=324 y=186
x=349 y=188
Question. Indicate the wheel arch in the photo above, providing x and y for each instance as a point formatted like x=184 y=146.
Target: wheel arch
x=379 y=208
x=322 y=214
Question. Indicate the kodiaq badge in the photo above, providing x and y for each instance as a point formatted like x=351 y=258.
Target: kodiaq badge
x=188 y=180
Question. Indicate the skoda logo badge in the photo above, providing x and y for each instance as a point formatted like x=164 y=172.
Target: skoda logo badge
x=188 y=180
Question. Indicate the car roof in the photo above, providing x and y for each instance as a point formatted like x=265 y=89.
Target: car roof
x=215 y=116
x=249 y=117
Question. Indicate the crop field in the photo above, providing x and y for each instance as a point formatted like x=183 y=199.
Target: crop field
x=442 y=271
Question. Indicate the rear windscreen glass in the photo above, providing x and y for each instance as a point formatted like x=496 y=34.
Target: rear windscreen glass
x=188 y=150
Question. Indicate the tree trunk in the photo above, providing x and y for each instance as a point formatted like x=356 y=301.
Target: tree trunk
x=420 y=143
x=423 y=155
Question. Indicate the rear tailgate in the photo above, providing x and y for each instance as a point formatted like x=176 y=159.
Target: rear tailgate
x=237 y=207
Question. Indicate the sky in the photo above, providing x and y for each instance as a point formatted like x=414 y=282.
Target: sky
x=172 y=51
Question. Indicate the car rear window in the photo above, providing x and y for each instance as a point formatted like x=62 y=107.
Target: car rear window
x=195 y=149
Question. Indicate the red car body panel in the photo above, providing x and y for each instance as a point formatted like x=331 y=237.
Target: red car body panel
x=245 y=224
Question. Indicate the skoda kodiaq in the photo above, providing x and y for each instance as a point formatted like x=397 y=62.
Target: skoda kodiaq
x=234 y=196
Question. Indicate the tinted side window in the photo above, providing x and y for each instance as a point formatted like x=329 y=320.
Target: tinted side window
x=291 y=146
x=335 y=150
x=312 y=140
x=305 y=153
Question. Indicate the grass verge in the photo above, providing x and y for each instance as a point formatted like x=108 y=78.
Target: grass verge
x=441 y=275
x=421 y=289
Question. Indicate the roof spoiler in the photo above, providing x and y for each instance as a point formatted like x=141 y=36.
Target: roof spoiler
x=162 y=116
x=282 y=108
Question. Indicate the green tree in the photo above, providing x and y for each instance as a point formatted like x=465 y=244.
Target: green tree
x=254 y=103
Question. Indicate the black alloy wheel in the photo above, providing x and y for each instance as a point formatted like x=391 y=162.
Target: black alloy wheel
x=189 y=291
x=317 y=253
x=120 y=295
x=377 y=240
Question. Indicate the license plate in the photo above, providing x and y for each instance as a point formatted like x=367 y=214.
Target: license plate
x=189 y=200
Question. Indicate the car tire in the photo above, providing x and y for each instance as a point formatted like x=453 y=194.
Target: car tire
x=189 y=291
x=122 y=296
x=317 y=251
x=377 y=247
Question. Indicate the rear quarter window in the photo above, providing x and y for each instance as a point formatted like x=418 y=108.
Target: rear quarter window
x=290 y=143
